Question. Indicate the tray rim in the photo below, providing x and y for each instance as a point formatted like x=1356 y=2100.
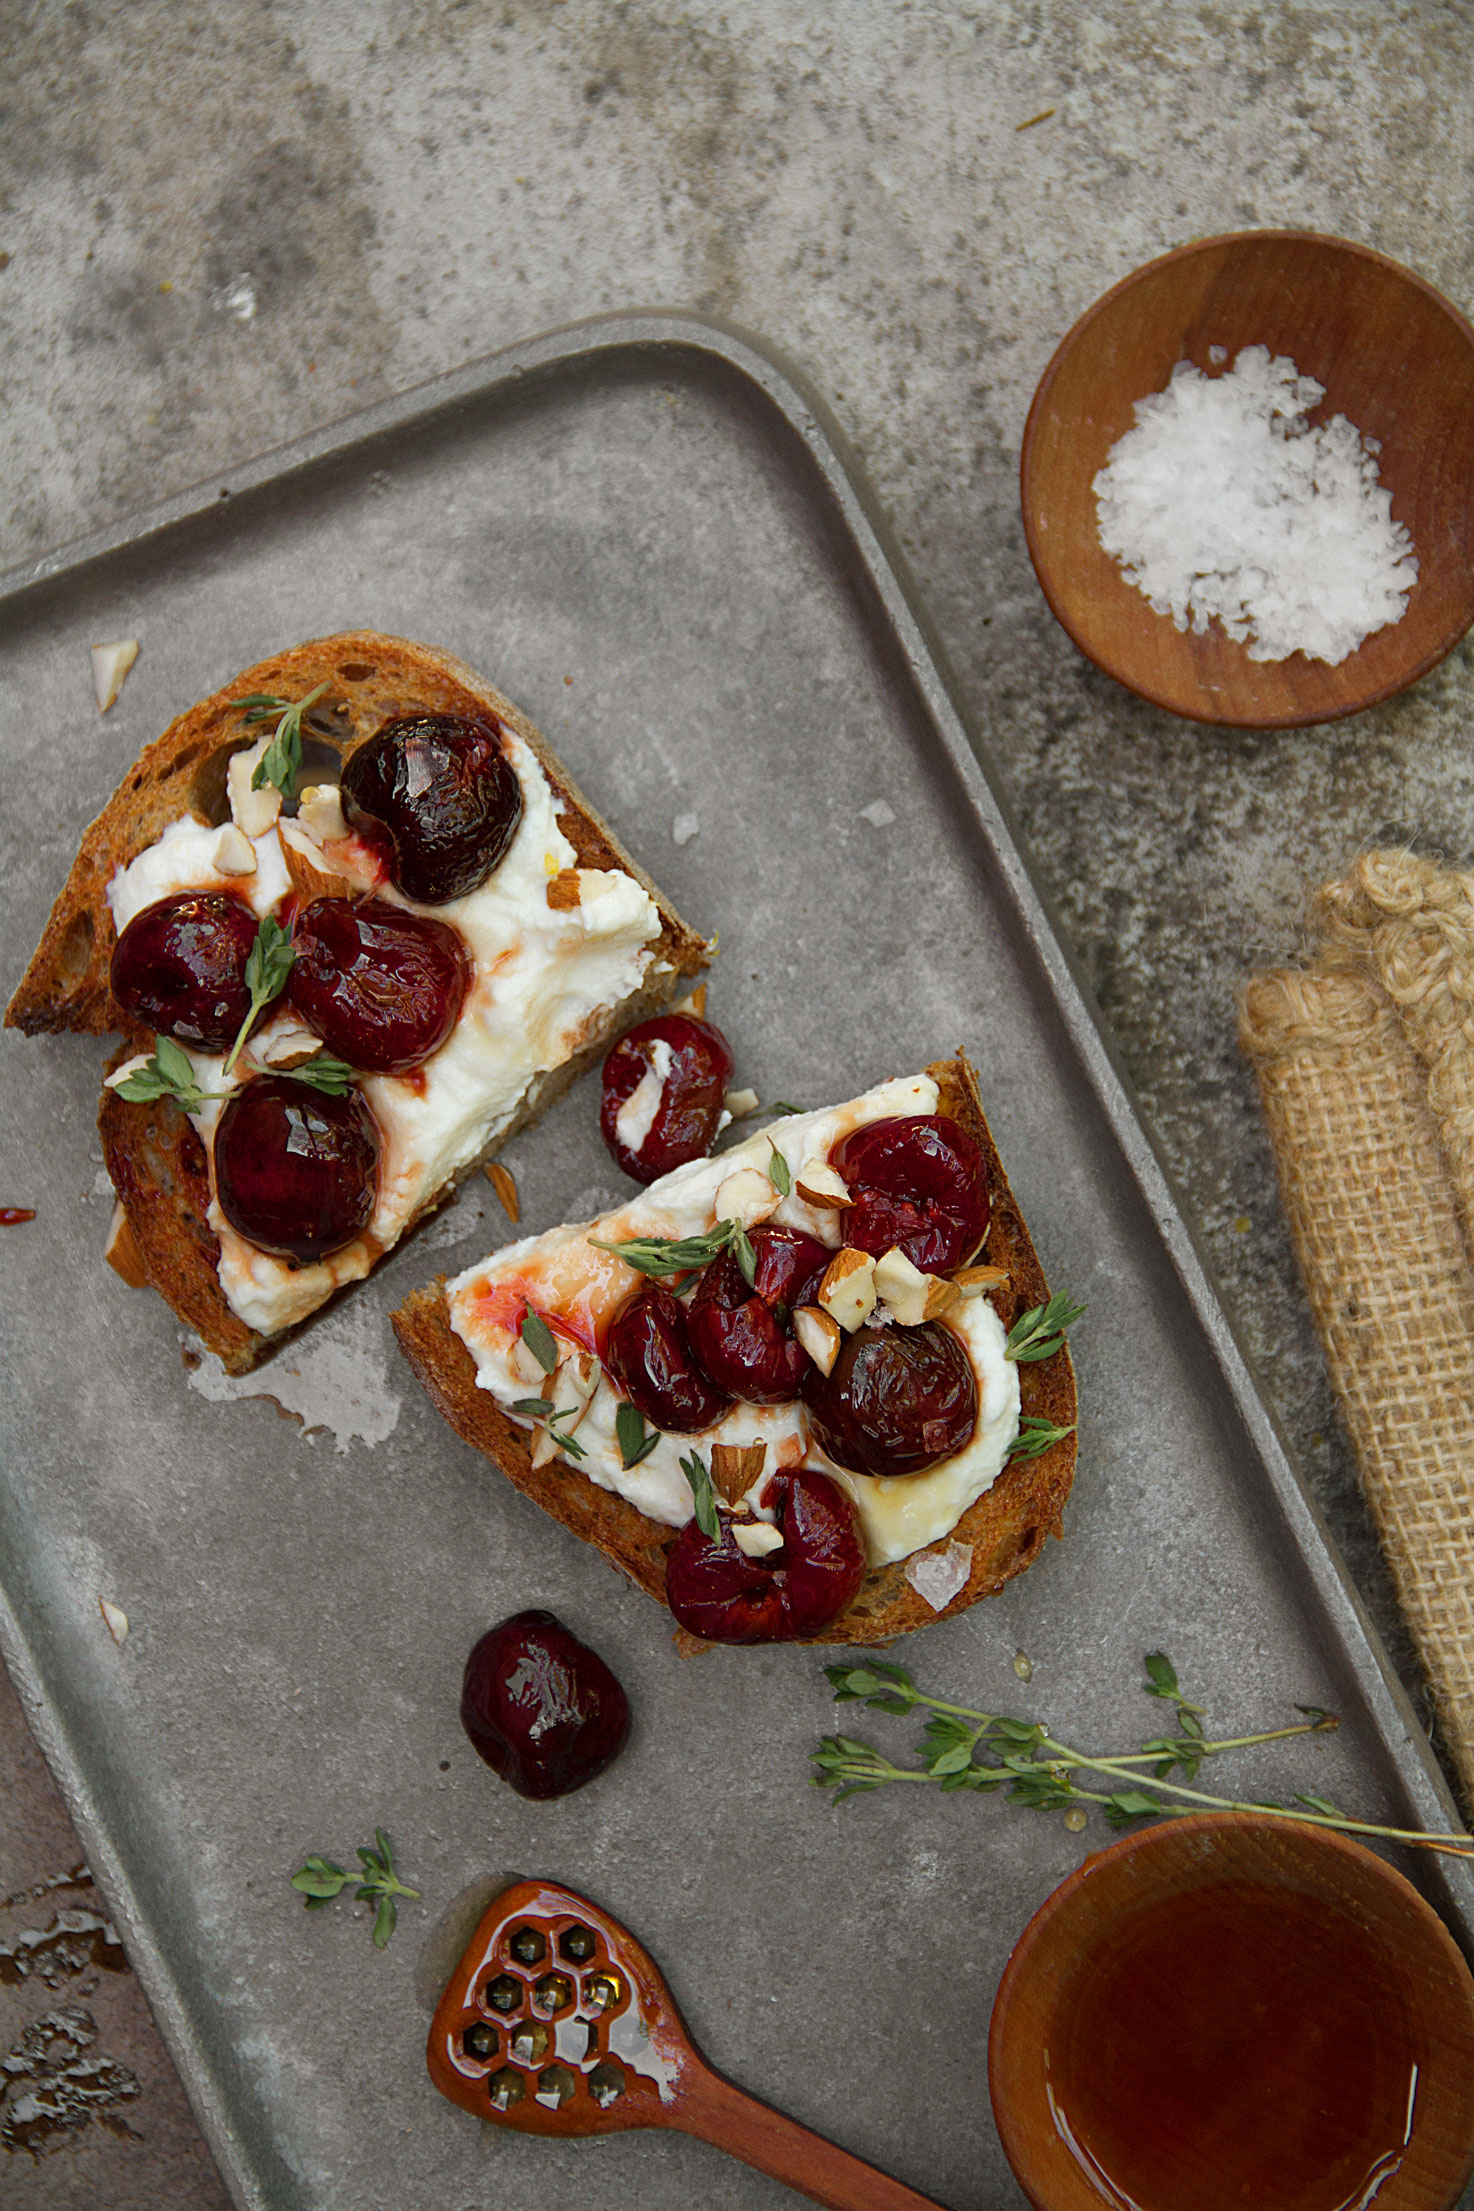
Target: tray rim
x=800 y=408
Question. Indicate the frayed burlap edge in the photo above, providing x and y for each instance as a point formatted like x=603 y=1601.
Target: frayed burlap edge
x=1376 y=1215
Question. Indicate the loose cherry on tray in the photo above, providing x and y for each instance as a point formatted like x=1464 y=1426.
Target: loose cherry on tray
x=648 y=1353
x=296 y=1171
x=541 y=1708
x=383 y=988
x=179 y=968
x=692 y=1088
x=896 y=1401
x=917 y=1182
x=436 y=796
x=716 y=1591
x=741 y=1335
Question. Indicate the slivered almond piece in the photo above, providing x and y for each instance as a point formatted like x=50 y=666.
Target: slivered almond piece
x=234 y=852
x=739 y=1103
x=290 y=1045
x=847 y=1291
x=311 y=877
x=115 y=1619
x=544 y=1445
x=748 y=1197
x=736 y=1466
x=972 y=1281
x=501 y=1180
x=110 y=665
x=563 y=891
x=122 y=1253
x=756 y=1537
x=818 y=1335
x=252 y=811
x=694 y=1003
x=320 y=811
x=818 y=1184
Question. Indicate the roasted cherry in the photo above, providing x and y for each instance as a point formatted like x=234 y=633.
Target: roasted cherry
x=916 y=1182
x=180 y=968
x=296 y=1171
x=438 y=799
x=689 y=1065
x=741 y=1335
x=896 y=1401
x=715 y=1590
x=383 y=988
x=541 y=1708
x=648 y=1353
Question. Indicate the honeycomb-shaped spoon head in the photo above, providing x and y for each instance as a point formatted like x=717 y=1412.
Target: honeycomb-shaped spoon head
x=557 y=2022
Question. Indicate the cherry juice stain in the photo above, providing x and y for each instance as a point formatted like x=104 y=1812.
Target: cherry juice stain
x=51 y=2084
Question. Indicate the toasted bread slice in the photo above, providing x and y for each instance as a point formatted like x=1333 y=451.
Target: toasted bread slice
x=1006 y=1526
x=154 y=1156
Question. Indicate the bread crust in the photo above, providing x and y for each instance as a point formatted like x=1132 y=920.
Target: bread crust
x=153 y=1154
x=1006 y=1526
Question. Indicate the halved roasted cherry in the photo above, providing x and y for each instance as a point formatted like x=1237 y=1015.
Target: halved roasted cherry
x=383 y=988
x=716 y=1591
x=896 y=1401
x=541 y=1708
x=664 y=1083
x=296 y=1171
x=917 y=1182
x=648 y=1354
x=436 y=796
x=740 y=1335
x=180 y=968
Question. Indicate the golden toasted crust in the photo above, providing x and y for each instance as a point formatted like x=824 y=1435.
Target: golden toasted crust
x=152 y=1153
x=1006 y=1527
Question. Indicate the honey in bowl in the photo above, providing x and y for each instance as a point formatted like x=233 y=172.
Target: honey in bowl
x=1233 y=2012
x=1240 y=2044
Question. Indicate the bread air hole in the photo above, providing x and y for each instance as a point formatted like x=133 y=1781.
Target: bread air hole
x=357 y=671
x=76 y=949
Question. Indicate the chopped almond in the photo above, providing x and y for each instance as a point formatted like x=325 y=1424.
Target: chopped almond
x=757 y=1537
x=911 y=1295
x=564 y=891
x=110 y=665
x=818 y=1184
x=818 y=1335
x=740 y=1103
x=544 y=1445
x=736 y=1466
x=941 y=1296
x=305 y=865
x=320 y=812
x=693 y=1003
x=115 y=1619
x=748 y=1197
x=847 y=1291
x=502 y=1182
x=287 y=1044
x=972 y=1281
x=122 y=1253
x=234 y=852
x=253 y=811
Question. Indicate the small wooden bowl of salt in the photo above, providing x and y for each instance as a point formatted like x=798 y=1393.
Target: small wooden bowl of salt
x=1225 y=538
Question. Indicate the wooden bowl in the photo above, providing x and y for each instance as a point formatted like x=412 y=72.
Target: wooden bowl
x=1229 y=2010
x=1394 y=357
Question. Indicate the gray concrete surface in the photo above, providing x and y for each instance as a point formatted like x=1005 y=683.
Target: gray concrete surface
x=223 y=224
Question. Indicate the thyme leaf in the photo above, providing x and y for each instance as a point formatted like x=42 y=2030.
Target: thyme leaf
x=540 y=1340
x=778 y=1173
x=629 y=1430
x=697 y=1474
x=334 y=1076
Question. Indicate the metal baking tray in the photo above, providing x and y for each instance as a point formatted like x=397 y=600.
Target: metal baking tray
x=644 y=531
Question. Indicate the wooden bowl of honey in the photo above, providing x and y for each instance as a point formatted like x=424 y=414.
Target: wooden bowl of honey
x=1394 y=358
x=1231 y=2012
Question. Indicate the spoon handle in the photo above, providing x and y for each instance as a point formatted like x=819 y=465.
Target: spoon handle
x=713 y=2109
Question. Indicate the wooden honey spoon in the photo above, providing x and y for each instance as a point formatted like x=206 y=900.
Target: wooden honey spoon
x=557 y=2022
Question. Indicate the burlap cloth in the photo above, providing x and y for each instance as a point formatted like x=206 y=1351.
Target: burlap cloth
x=1365 y=1060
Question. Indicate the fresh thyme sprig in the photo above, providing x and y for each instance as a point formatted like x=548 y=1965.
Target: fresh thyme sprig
x=282 y=760
x=540 y=1409
x=629 y=1430
x=703 y=1496
x=1036 y=1436
x=1040 y=1332
x=318 y=1881
x=267 y=968
x=168 y=1074
x=663 y=1255
x=962 y=1748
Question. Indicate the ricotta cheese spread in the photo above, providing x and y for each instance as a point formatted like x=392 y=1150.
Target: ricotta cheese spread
x=545 y=981
x=564 y=1277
